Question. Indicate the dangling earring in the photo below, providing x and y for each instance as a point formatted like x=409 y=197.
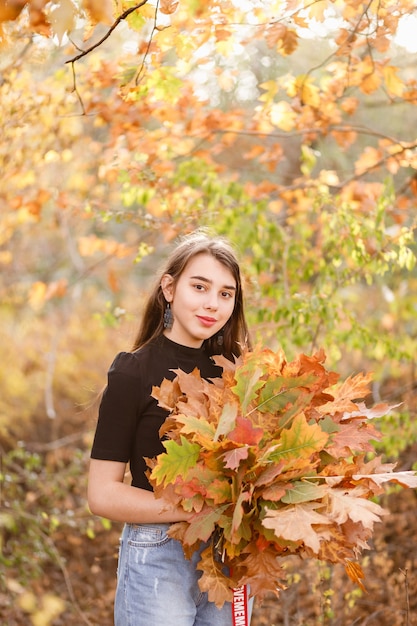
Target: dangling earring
x=220 y=338
x=168 y=317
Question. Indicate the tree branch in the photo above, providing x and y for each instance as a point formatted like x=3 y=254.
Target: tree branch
x=141 y=69
x=113 y=27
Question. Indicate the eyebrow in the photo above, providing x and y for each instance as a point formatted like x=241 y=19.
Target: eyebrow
x=207 y=280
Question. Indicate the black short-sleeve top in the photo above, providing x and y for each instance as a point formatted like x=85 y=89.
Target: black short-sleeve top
x=129 y=417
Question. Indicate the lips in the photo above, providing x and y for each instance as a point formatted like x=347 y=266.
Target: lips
x=207 y=321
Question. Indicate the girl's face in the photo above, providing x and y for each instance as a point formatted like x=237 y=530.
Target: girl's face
x=202 y=300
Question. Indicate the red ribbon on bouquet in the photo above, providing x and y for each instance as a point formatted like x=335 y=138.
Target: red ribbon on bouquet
x=240 y=612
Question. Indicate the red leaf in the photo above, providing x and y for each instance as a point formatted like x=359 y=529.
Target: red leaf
x=245 y=433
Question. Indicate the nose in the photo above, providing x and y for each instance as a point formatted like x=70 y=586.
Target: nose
x=212 y=301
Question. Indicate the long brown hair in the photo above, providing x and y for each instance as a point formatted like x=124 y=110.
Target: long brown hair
x=235 y=331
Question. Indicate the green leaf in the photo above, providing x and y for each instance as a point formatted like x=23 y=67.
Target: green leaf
x=304 y=492
x=248 y=384
x=202 y=525
x=241 y=521
x=179 y=458
x=227 y=420
x=329 y=425
x=300 y=441
x=196 y=425
x=276 y=393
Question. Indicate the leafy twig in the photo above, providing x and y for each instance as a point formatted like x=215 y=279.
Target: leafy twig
x=98 y=43
x=113 y=27
x=140 y=70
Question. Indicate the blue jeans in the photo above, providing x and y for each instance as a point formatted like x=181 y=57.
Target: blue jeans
x=158 y=586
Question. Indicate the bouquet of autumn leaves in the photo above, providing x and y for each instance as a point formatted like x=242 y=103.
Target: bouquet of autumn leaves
x=270 y=460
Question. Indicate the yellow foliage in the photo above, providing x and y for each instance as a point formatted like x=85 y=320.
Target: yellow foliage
x=303 y=87
x=62 y=18
x=329 y=177
x=271 y=89
x=393 y=83
x=370 y=83
x=5 y=257
x=316 y=10
x=168 y=6
x=11 y=10
x=44 y=610
x=37 y=295
x=89 y=245
x=369 y=159
x=100 y=10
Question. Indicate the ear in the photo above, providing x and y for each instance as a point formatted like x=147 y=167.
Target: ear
x=167 y=286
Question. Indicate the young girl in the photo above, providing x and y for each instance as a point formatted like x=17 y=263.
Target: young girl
x=194 y=312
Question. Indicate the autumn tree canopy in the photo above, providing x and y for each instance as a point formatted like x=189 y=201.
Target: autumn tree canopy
x=289 y=126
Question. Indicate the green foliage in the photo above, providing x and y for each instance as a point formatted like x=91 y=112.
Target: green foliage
x=39 y=499
x=398 y=430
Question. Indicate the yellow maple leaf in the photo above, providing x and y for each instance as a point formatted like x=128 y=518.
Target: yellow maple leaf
x=100 y=11
x=37 y=295
x=11 y=10
x=289 y=42
x=393 y=83
x=370 y=83
x=62 y=17
x=303 y=87
x=270 y=90
x=369 y=159
x=168 y=6
x=316 y=10
x=283 y=116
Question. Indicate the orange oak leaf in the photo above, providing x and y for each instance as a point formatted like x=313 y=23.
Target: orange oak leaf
x=266 y=573
x=240 y=528
x=295 y=523
x=353 y=438
x=275 y=492
x=405 y=478
x=269 y=474
x=213 y=581
x=220 y=491
x=356 y=536
x=167 y=394
x=355 y=573
x=168 y=6
x=378 y=410
x=335 y=548
x=353 y=388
